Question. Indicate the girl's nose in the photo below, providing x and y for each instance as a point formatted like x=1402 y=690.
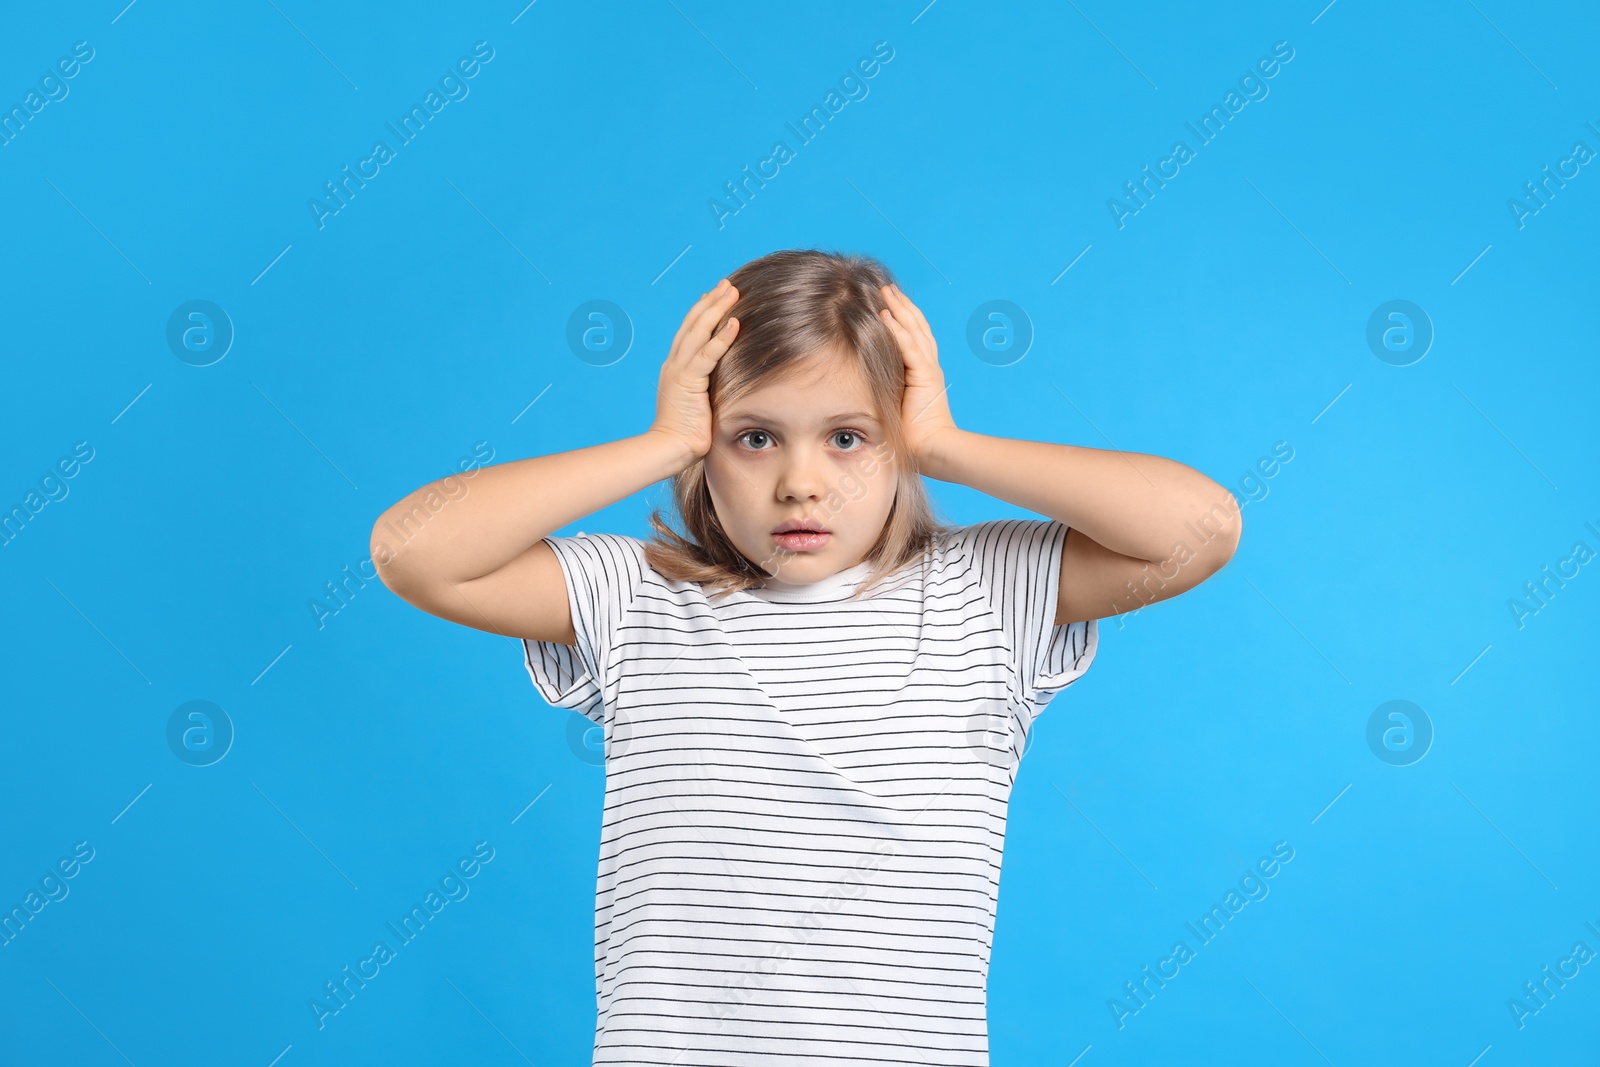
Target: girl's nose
x=801 y=478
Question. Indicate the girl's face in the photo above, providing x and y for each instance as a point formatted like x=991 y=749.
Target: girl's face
x=808 y=448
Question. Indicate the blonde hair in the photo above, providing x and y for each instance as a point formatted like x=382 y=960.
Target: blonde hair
x=793 y=305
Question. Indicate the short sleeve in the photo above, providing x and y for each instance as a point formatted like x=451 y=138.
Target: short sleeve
x=603 y=573
x=1018 y=562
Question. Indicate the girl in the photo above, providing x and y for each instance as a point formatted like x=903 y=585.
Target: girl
x=814 y=703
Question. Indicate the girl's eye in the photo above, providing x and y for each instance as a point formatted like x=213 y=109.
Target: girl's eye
x=749 y=434
x=752 y=439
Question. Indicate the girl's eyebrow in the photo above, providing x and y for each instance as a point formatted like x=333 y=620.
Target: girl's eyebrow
x=756 y=416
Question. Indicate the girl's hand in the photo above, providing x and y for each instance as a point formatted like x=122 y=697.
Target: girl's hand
x=683 y=407
x=925 y=410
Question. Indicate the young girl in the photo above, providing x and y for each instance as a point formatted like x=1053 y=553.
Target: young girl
x=814 y=703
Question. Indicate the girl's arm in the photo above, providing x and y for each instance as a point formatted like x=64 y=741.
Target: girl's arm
x=1143 y=528
x=469 y=548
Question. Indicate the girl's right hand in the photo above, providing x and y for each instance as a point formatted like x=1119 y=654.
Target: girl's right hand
x=683 y=404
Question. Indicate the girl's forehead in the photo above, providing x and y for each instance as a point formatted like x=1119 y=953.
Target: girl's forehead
x=821 y=388
x=819 y=399
x=818 y=379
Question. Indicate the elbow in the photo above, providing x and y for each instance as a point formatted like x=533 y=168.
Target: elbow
x=1231 y=527
x=1218 y=529
x=385 y=560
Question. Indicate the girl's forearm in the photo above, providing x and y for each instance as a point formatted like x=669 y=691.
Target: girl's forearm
x=467 y=525
x=1135 y=504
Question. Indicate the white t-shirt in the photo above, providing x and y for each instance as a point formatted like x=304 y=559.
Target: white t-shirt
x=805 y=802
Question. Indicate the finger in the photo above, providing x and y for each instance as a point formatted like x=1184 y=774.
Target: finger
x=902 y=313
x=702 y=319
x=707 y=299
x=916 y=350
x=714 y=319
x=911 y=316
x=718 y=344
x=688 y=320
x=901 y=335
x=915 y=312
x=889 y=297
x=896 y=308
x=918 y=336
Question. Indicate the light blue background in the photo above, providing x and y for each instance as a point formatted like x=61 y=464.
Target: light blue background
x=425 y=317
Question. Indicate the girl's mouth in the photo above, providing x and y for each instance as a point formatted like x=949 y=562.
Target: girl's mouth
x=802 y=540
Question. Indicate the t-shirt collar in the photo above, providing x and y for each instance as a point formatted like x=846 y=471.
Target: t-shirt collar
x=836 y=586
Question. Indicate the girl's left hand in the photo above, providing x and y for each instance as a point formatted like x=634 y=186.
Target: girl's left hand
x=925 y=409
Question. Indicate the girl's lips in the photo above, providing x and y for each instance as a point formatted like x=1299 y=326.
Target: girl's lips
x=802 y=540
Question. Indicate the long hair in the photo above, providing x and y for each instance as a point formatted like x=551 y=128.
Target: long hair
x=794 y=304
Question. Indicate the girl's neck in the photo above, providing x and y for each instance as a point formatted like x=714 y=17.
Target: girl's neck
x=833 y=587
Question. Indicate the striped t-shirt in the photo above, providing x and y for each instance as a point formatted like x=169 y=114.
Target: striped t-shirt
x=805 y=801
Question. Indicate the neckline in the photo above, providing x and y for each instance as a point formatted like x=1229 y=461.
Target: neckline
x=836 y=586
